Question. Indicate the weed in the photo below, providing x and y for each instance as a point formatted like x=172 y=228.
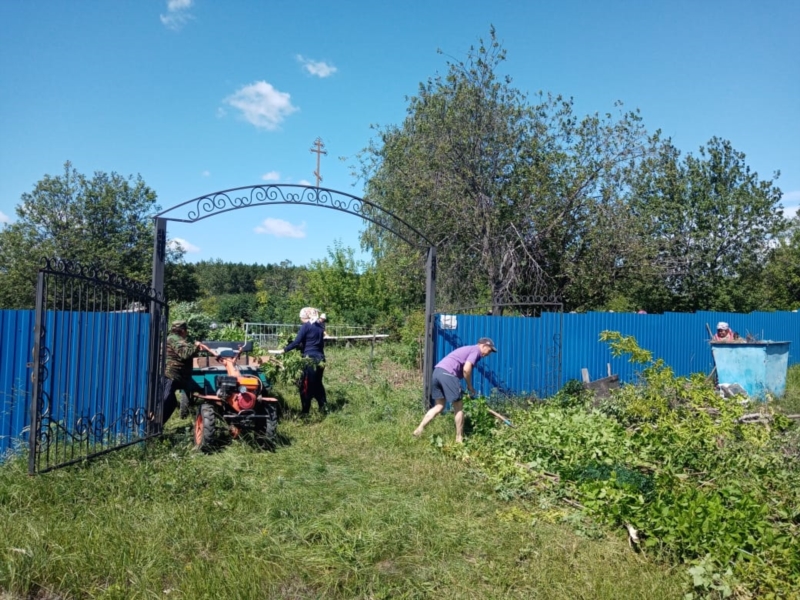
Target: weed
x=670 y=460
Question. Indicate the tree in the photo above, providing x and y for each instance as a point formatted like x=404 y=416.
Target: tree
x=180 y=281
x=103 y=221
x=518 y=199
x=218 y=277
x=709 y=224
x=781 y=277
x=350 y=291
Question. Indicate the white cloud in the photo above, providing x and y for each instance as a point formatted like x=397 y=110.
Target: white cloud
x=188 y=247
x=791 y=203
x=317 y=67
x=304 y=182
x=271 y=176
x=4 y=218
x=177 y=14
x=262 y=105
x=282 y=229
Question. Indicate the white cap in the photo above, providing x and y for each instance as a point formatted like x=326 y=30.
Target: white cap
x=723 y=325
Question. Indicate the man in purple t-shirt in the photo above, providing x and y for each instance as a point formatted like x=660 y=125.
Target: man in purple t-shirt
x=446 y=384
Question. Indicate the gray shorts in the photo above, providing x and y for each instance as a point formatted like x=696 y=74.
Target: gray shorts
x=445 y=385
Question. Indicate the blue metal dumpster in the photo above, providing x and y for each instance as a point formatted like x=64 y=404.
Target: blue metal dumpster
x=759 y=367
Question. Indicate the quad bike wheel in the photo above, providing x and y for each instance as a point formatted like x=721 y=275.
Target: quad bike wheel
x=266 y=430
x=204 y=427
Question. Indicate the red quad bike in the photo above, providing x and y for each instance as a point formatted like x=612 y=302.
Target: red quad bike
x=233 y=394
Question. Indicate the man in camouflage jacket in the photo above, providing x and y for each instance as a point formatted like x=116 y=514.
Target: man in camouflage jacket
x=178 y=372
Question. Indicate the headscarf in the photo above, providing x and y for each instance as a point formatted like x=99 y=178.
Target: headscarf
x=309 y=315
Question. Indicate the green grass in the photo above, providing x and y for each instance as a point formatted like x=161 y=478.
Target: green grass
x=350 y=506
x=790 y=403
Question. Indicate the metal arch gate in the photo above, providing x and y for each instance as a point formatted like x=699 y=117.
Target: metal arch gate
x=97 y=364
x=223 y=201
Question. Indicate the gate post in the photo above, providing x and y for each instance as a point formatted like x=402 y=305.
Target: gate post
x=157 y=314
x=37 y=375
x=430 y=304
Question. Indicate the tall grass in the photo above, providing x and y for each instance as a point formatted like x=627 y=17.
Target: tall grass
x=349 y=505
x=790 y=403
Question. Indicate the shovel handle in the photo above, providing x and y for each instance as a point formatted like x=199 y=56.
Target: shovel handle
x=497 y=415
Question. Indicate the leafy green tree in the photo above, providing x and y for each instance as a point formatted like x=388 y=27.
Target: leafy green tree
x=518 y=198
x=781 y=277
x=344 y=287
x=236 y=308
x=217 y=277
x=101 y=221
x=180 y=281
x=708 y=223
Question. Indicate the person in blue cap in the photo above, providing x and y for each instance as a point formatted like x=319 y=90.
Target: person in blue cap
x=446 y=382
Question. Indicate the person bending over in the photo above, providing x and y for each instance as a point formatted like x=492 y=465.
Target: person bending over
x=446 y=384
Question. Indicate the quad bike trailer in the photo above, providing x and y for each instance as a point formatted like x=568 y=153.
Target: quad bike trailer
x=233 y=394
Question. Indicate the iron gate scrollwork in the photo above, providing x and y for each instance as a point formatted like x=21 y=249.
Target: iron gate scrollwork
x=243 y=197
x=98 y=364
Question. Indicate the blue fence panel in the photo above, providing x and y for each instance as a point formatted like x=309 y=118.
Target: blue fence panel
x=16 y=337
x=97 y=366
x=524 y=363
x=528 y=358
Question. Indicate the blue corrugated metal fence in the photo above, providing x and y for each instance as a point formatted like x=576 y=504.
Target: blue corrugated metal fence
x=16 y=337
x=537 y=354
x=98 y=368
x=523 y=364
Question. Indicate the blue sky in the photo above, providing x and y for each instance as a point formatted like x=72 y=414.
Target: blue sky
x=200 y=96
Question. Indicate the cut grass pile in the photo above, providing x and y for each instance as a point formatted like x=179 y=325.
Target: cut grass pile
x=348 y=506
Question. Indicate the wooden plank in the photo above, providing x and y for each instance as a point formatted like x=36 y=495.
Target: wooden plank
x=585 y=375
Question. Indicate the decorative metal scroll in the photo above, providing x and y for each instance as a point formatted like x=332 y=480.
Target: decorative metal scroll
x=96 y=277
x=523 y=305
x=259 y=195
x=96 y=387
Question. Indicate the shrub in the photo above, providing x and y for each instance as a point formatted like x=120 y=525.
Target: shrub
x=674 y=461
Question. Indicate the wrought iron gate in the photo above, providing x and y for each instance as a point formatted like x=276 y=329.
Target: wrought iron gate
x=98 y=364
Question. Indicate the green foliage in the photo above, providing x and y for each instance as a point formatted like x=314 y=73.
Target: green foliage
x=672 y=459
x=781 y=278
x=528 y=195
x=572 y=394
x=409 y=351
x=180 y=282
x=197 y=321
x=238 y=308
x=288 y=369
x=102 y=221
x=479 y=420
x=707 y=223
x=351 y=291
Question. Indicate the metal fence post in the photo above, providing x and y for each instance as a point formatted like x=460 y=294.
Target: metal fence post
x=430 y=304
x=38 y=335
x=157 y=313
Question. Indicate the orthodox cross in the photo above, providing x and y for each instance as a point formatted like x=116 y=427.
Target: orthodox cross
x=319 y=150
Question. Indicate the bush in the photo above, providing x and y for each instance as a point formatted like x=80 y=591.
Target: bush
x=671 y=459
x=412 y=334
